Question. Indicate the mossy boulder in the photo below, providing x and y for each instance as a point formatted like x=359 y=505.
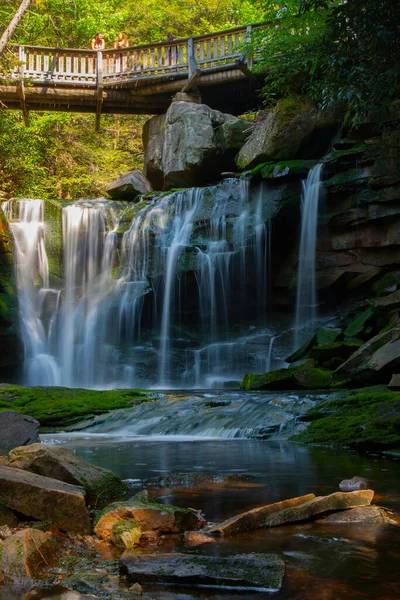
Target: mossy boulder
x=357 y=326
x=101 y=486
x=129 y=186
x=367 y=418
x=327 y=335
x=148 y=515
x=279 y=135
x=25 y=555
x=388 y=283
x=125 y=534
x=341 y=350
x=304 y=376
x=61 y=407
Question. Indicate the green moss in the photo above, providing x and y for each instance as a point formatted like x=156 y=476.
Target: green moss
x=359 y=418
x=357 y=325
x=303 y=351
x=387 y=283
x=341 y=350
x=60 y=407
x=279 y=379
x=328 y=336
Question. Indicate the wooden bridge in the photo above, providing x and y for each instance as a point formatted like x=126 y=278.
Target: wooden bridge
x=134 y=80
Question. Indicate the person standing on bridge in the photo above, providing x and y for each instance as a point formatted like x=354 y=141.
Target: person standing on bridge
x=98 y=42
x=122 y=41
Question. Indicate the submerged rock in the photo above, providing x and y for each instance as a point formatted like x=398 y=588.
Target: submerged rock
x=25 y=554
x=261 y=572
x=17 y=430
x=148 y=515
x=194 y=480
x=291 y=511
x=193 y=538
x=355 y=483
x=101 y=486
x=45 y=499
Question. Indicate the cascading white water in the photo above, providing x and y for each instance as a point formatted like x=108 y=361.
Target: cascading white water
x=306 y=298
x=116 y=321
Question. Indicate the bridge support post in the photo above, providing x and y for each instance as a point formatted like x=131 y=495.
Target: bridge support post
x=21 y=87
x=250 y=60
x=99 y=91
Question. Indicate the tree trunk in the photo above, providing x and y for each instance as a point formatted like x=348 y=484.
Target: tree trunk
x=13 y=24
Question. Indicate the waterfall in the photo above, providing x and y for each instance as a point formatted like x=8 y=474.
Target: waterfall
x=306 y=299
x=175 y=298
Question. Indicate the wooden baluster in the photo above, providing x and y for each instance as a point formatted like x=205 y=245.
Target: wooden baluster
x=216 y=56
x=201 y=51
x=151 y=58
x=230 y=44
x=145 y=57
x=75 y=68
x=83 y=67
x=237 y=41
x=159 y=57
x=46 y=63
x=30 y=61
x=68 y=67
x=208 y=49
x=222 y=45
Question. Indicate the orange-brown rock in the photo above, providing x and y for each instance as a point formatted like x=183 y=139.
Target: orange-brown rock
x=361 y=514
x=149 y=516
x=25 y=554
x=292 y=511
x=193 y=538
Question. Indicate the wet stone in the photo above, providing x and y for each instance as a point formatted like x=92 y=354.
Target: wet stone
x=259 y=572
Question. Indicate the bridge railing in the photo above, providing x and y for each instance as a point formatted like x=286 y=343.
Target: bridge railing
x=81 y=67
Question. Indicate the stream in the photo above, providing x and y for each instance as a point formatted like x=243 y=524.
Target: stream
x=323 y=562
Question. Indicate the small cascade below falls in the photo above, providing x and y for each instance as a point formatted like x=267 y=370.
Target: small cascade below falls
x=165 y=299
x=306 y=299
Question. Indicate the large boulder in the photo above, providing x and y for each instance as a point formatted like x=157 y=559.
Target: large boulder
x=280 y=134
x=191 y=145
x=101 y=486
x=260 y=572
x=292 y=511
x=44 y=499
x=375 y=361
x=129 y=186
x=25 y=554
x=148 y=515
x=17 y=430
x=153 y=143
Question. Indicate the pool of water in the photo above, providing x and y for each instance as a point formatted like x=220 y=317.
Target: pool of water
x=323 y=562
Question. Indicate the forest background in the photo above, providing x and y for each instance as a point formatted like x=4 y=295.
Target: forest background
x=338 y=52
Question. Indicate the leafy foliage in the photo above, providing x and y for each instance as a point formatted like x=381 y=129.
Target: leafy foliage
x=59 y=154
x=339 y=53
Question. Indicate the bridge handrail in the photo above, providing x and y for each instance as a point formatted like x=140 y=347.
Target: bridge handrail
x=70 y=66
x=142 y=46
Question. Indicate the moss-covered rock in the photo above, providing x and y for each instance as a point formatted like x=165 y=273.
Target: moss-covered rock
x=304 y=376
x=101 y=486
x=125 y=534
x=356 y=327
x=340 y=350
x=368 y=418
x=303 y=351
x=327 y=335
x=148 y=515
x=60 y=407
x=24 y=555
x=279 y=135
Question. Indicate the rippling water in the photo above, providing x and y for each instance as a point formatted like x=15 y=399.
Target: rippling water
x=335 y=562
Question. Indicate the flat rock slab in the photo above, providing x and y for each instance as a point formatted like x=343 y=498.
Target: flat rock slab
x=292 y=511
x=17 y=430
x=45 y=499
x=258 y=572
x=362 y=514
